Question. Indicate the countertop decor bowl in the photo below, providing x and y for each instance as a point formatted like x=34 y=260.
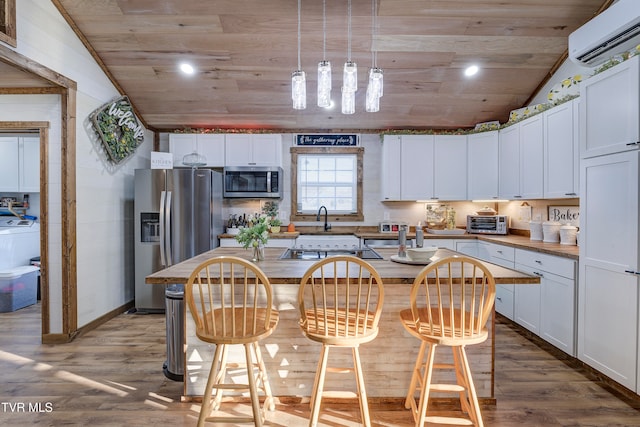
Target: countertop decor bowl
x=421 y=254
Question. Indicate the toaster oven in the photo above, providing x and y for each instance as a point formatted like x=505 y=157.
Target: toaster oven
x=487 y=224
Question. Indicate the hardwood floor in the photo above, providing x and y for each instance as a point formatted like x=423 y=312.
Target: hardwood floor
x=112 y=376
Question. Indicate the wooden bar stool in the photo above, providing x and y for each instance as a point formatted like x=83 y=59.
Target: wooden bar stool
x=451 y=301
x=230 y=301
x=340 y=300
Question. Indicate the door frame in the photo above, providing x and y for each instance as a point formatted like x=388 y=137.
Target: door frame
x=66 y=89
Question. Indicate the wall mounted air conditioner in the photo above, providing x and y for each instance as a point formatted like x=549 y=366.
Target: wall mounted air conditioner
x=615 y=30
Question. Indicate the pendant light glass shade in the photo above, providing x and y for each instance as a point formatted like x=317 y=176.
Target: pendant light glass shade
x=324 y=84
x=348 y=101
x=350 y=76
x=299 y=90
x=374 y=90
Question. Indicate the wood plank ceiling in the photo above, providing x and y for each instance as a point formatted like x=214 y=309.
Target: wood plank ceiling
x=244 y=53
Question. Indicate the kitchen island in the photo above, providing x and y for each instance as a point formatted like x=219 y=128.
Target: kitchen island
x=291 y=359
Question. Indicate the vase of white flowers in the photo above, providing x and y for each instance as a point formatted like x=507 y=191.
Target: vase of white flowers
x=255 y=237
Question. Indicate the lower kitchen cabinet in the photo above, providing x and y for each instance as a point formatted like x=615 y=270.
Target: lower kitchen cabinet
x=548 y=309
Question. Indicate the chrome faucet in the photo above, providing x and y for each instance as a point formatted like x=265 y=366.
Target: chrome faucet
x=327 y=226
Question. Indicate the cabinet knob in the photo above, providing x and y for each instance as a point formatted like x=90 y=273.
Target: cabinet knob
x=499 y=299
x=538 y=274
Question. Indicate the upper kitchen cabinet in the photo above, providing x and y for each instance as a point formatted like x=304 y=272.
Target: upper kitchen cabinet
x=609 y=110
x=561 y=159
x=211 y=146
x=407 y=167
x=521 y=160
x=20 y=164
x=450 y=167
x=482 y=165
x=253 y=150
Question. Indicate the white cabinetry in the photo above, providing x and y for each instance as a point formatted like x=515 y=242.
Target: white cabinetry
x=424 y=167
x=609 y=110
x=450 y=167
x=482 y=166
x=608 y=290
x=521 y=159
x=253 y=149
x=20 y=164
x=561 y=157
x=547 y=309
x=407 y=167
x=211 y=146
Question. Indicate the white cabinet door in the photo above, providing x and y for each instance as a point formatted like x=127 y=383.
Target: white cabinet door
x=211 y=146
x=469 y=247
x=253 y=149
x=610 y=111
x=9 y=165
x=181 y=144
x=416 y=174
x=391 y=166
x=267 y=149
x=527 y=303
x=561 y=151
x=607 y=293
x=509 y=162
x=482 y=166
x=450 y=167
x=29 y=159
x=531 y=157
x=557 y=314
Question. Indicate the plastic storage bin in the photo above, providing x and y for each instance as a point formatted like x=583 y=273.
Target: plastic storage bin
x=18 y=288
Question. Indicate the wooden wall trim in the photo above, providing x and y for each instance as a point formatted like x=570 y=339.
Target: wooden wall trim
x=9 y=34
x=22 y=62
x=69 y=247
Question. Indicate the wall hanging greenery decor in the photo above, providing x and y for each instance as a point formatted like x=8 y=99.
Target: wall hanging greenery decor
x=118 y=128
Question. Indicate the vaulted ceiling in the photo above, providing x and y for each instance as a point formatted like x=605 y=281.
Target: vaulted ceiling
x=244 y=53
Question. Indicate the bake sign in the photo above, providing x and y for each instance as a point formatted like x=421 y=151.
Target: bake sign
x=565 y=214
x=118 y=128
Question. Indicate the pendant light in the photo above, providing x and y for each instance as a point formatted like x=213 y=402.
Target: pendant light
x=324 y=66
x=298 y=78
x=350 y=73
x=375 y=86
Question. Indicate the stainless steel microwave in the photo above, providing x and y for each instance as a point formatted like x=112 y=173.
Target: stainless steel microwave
x=487 y=224
x=253 y=182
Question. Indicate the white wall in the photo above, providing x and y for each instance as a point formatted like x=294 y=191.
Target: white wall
x=104 y=192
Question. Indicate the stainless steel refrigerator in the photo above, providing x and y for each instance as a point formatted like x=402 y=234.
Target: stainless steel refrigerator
x=178 y=215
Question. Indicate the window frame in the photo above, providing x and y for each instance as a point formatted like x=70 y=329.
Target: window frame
x=8 y=24
x=330 y=150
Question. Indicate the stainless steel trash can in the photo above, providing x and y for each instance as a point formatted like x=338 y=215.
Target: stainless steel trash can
x=174 y=311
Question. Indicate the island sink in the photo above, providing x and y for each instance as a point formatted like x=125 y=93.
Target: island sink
x=319 y=253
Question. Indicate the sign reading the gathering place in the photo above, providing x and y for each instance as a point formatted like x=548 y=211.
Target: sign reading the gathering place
x=118 y=128
x=343 y=140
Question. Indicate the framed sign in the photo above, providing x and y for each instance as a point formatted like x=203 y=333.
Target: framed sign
x=118 y=128
x=565 y=214
x=343 y=140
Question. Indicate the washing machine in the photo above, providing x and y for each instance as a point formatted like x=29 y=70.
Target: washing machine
x=19 y=242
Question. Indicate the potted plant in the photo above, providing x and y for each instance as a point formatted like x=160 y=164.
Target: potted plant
x=255 y=237
x=275 y=224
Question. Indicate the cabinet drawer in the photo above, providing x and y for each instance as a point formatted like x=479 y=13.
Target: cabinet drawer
x=548 y=263
x=500 y=251
x=504 y=300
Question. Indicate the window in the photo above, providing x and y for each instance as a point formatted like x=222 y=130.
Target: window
x=8 y=22
x=326 y=176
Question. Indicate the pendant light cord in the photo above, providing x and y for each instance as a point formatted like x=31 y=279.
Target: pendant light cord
x=374 y=23
x=324 y=30
x=299 y=67
x=349 y=31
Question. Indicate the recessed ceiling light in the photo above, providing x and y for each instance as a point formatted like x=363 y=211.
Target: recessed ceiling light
x=187 y=68
x=471 y=70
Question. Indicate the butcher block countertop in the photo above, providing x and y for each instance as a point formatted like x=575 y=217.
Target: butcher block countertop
x=291 y=271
